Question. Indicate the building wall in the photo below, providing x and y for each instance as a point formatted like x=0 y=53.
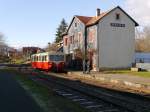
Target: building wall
x=65 y=45
x=75 y=44
x=92 y=37
x=92 y=45
x=116 y=44
x=76 y=32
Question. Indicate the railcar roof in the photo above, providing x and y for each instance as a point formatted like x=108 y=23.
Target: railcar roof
x=48 y=53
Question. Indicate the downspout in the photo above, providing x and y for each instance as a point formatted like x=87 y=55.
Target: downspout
x=98 y=66
x=85 y=50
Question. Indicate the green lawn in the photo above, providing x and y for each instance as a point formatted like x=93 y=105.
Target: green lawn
x=140 y=73
x=47 y=99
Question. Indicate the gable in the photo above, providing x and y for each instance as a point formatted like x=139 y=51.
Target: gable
x=75 y=26
x=80 y=20
x=95 y=20
x=136 y=24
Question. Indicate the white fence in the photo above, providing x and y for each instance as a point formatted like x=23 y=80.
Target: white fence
x=143 y=66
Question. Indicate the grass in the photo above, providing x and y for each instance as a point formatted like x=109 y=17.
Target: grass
x=46 y=98
x=140 y=73
x=19 y=61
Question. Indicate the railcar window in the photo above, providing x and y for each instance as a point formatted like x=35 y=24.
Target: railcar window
x=51 y=57
x=34 y=58
x=37 y=58
x=40 y=58
x=45 y=58
x=56 y=57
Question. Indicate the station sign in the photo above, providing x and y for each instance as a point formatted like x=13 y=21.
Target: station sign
x=117 y=25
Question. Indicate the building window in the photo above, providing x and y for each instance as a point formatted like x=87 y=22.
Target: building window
x=117 y=16
x=75 y=24
x=66 y=41
x=79 y=37
x=73 y=39
x=70 y=39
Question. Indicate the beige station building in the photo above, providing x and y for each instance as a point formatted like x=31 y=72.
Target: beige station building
x=107 y=40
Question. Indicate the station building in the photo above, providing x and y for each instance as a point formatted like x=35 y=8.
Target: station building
x=107 y=40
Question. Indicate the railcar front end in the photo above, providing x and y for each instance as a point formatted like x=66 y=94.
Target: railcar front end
x=48 y=62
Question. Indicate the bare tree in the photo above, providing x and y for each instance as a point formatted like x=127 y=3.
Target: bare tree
x=2 y=42
x=146 y=32
x=3 y=49
x=52 y=47
x=143 y=40
x=3 y=45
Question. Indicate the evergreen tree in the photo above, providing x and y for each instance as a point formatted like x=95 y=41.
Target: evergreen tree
x=60 y=30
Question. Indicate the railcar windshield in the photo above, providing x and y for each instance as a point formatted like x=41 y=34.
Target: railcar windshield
x=56 y=57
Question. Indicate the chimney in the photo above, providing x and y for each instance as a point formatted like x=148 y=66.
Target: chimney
x=98 y=12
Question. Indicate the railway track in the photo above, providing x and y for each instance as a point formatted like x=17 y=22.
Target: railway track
x=93 y=98
x=125 y=101
x=90 y=103
x=85 y=98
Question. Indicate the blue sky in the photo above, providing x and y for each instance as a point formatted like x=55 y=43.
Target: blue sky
x=34 y=22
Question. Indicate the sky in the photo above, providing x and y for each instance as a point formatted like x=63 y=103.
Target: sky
x=34 y=22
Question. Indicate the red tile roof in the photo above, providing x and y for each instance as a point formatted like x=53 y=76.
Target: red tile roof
x=95 y=19
x=91 y=20
x=84 y=19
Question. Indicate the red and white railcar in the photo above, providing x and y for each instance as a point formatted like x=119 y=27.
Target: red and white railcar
x=48 y=61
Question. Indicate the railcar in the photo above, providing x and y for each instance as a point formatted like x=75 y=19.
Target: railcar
x=48 y=61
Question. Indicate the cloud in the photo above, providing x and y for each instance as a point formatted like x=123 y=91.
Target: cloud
x=139 y=10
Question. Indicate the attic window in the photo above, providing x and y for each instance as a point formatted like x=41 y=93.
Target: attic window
x=117 y=16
